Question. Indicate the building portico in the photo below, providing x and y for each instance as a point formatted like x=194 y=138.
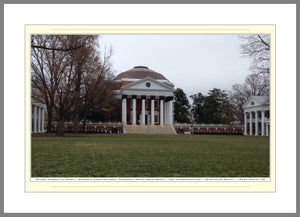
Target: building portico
x=147 y=110
x=257 y=116
x=145 y=96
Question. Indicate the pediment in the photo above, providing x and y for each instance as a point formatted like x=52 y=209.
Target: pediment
x=147 y=84
x=255 y=101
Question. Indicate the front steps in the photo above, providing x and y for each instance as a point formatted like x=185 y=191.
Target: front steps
x=148 y=129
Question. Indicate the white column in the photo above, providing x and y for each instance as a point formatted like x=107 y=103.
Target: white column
x=152 y=111
x=134 y=110
x=161 y=112
x=262 y=123
x=39 y=120
x=245 y=124
x=267 y=129
x=166 y=112
x=43 y=120
x=124 y=110
x=256 y=123
x=250 y=128
x=143 y=111
x=171 y=112
x=34 y=118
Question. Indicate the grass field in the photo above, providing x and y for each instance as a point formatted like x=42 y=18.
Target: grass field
x=150 y=156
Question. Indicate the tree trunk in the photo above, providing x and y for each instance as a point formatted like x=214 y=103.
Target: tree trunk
x=77 y=97
x=84 y=118
x=60 y=131
x=49 y=124
x=76 y=122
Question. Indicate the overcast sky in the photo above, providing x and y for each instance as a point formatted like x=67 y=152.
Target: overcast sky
x=194 y=63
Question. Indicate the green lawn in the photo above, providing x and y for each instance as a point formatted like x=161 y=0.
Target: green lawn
x=150 y=156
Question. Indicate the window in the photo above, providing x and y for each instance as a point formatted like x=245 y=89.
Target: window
x=148 y=84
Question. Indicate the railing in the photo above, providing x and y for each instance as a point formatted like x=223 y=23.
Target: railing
x=99 y=127
x=210 y=128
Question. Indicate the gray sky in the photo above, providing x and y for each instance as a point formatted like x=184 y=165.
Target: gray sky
x=194 y=63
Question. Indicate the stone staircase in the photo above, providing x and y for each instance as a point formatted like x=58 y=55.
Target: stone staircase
x=148 y=129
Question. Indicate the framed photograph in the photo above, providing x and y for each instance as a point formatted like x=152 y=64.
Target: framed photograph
x=150 y=108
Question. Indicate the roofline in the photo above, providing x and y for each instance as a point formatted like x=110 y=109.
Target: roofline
x=146 y=78
x=138 y=79
x=252 y=98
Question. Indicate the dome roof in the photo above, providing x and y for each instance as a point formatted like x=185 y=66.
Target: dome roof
x=140 y=72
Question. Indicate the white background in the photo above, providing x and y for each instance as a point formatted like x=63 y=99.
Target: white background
x=16 y=16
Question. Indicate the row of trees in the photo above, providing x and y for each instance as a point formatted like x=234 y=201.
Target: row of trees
x=220 y=106
x=213 y=108
x=72 y=77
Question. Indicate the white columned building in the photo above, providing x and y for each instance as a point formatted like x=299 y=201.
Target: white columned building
x=146 y=96
x=260 y=107
x=37 y=117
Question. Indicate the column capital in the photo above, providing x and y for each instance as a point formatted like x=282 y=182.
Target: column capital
x=143 y=97
x=161 y=97
x=133 y=96
x=152 y=97
x=124 y=96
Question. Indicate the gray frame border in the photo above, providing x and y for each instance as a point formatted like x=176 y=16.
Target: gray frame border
x=136 y=2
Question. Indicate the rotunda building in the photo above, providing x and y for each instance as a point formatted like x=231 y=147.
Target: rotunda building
x=144 y=97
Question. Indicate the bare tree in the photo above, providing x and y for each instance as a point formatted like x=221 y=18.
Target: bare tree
x=258 y=48
x=96 y=89
x=47 y=67
x=63 y=68
x=255 y=85
x=80 y=57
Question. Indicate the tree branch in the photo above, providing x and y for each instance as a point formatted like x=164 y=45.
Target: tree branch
x=265 y=43
x=57 y=49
